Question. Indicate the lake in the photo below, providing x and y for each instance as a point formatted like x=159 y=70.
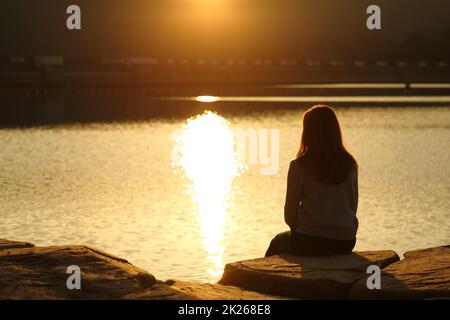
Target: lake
x=176 y=199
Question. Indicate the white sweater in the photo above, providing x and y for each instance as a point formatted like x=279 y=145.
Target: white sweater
x=317 y=209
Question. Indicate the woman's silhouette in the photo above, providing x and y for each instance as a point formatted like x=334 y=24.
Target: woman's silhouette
x=322 y=191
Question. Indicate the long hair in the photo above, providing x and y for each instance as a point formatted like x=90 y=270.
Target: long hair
x=321 y=147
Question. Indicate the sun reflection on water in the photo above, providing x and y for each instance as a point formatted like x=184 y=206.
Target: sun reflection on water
x=208 y=99
x=205 y=149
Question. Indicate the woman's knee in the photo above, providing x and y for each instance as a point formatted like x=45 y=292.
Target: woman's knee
x=281 y=243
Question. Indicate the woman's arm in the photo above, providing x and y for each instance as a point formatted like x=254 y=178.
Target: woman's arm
x=356 y=190
x=292 y=195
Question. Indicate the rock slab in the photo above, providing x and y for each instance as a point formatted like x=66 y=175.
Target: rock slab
x=422 y=274
x=329 y=277
x=188 y=290
x=41 y=273
x=8 y=244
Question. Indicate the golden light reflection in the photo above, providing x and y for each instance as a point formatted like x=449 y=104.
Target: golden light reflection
x=205 y=149
x=208 y=99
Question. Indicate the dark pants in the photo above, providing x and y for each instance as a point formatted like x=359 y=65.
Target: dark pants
x=305 y=245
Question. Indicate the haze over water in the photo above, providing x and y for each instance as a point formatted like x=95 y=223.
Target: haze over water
x=115 y=187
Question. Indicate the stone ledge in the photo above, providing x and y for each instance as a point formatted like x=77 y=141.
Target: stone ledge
x=40 y=273
x=187 y=290
x=28 y=272
x=8 y=244
x=329 y=277
x=422 y=274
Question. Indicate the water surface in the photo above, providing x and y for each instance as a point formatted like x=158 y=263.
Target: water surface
x=114 y=186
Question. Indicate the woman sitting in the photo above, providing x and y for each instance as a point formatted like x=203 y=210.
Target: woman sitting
x=322 y=192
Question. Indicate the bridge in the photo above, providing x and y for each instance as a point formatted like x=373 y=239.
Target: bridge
x=51 y=70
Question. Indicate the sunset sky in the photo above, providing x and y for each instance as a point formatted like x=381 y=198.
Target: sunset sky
x=222 y=29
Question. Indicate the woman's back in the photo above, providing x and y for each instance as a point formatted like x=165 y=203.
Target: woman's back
x=327 y=210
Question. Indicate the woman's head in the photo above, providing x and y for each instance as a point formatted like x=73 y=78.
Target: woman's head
x=321 y=146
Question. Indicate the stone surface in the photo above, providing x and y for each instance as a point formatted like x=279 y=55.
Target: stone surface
x=187 y=290
x=329 y=277
x=40 y=273
x=8 y=244
x=422 y=274
x=29 y=272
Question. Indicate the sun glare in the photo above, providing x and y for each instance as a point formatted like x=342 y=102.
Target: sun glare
x=205 y=149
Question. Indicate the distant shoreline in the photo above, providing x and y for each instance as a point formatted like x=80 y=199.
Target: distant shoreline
x=28 y=106
x=236 y=110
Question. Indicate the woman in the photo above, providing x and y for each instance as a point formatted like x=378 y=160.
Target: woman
x=322 y=192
